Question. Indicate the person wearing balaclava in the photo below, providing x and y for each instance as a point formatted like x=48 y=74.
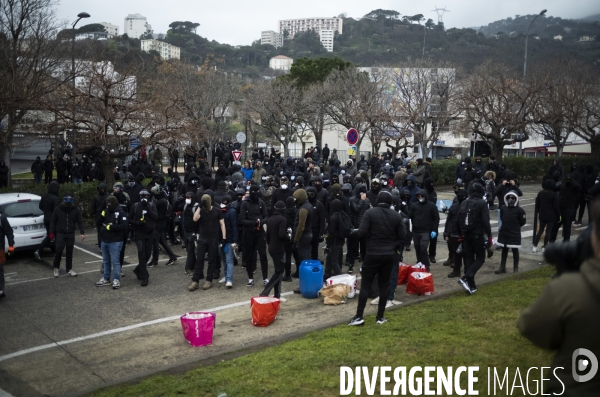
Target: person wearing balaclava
x=290 y=217
x=277 y=238
x=453 y=236
x=188 y=228
x=302 y=229
x=425 y=222
x=37 y=169
x=162 y=210
x=357 y=248
x=112 y=224
x=318 y=222
x=252 y=216
x=383 y=227
x=143 y=216
x=333 y=180
x=48 y=204
x=211 y=233
x=98 y=204
x=65 y=219
x=336 y=193
x=335 y=242
x=374 y=192
x=321 y=192
x=431 y=196
x=509 y=237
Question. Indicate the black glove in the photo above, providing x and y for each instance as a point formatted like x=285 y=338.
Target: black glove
x=295 y=247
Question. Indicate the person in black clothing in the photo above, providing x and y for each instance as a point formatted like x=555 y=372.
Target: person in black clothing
x=473 y=243
x=384 y=228
x=568 y=199
x=290 y=217
x=318 y=223
x=4 y=170
x=64 y=220
x=508 y=182
x=143 y=216
x=357 y=248
x=278 y=235
x=112 y=224
x=77 y=173
x=37 y=169
x=211 y=233
x=546 y=206
x=98 y=204
x=48 y=204
x=48 y=168
x=425 y=222
x=164 y=212
x=302 y=230
x=513 y=219
x=6 y=231
x=189 y=227
x=335 y=243
x=252 y=215
x=452 y=233
x=325 y=153
x=432 y=197
x=588 y=181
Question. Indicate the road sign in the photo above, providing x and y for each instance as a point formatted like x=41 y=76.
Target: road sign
x=352 y=136
x=237 y=154
x=240 y=137
x=134 y=141
x=352 y=151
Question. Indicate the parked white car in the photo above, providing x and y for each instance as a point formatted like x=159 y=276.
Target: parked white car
x=25 y=217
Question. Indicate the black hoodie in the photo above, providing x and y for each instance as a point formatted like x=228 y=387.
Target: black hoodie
x=334 y=221
x=50 y=201
x=424 y=216
x=65 y=219
x=277 y=232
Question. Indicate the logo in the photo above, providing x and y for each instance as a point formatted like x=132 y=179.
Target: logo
x=584 y=361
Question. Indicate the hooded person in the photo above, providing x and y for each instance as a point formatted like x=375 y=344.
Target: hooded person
x=163 y=211
x=283 y=191
x=4 y=170
x=452 y=235
x=509 y=237
x=211 y=233
x=412 y=186
x=335 y=240
x=143 y=216
x=278 y=235
x=374 y=192
x=384 y=228
x=546 y=206
x=425 y=222
x=112 y=224
x=65 y=219
x=252 y=216
x=37 y=169
x=336 y=193
x=357 y=248
x=420 y=173
x=227 y=248
x=318 y=222
x=47 y=205
x=302 y=235
x=132 y=189
x=98 y=203
x=432 y=197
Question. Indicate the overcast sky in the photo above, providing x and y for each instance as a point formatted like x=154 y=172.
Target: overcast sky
x=239 y=22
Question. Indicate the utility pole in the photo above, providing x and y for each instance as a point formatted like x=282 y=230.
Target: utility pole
x=527 y=37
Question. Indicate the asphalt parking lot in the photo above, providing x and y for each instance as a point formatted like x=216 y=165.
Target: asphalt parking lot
x=64 y=336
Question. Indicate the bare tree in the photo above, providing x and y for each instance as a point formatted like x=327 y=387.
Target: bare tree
x=498 y=105
x=586 y=114
x=29 y=59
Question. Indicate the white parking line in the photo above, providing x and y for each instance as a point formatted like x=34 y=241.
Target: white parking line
x=118 y=330
x=88 y=252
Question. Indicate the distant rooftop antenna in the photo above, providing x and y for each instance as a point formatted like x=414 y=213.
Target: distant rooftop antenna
x=440 y=13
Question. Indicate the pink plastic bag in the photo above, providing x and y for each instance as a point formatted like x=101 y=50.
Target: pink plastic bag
x=198 y=327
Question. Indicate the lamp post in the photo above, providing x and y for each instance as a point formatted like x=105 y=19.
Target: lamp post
x=80 y=16
x=527 y=37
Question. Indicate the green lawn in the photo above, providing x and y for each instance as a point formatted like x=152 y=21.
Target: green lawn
x=458 y=331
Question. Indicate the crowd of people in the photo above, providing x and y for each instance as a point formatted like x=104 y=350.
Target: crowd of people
x=288 y=208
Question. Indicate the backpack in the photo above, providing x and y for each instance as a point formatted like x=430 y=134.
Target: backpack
x=468 y=215
x=344 y=225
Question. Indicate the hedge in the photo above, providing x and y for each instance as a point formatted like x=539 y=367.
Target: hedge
x=526 y=168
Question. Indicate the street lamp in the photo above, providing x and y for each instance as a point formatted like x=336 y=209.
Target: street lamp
x=80 y=16
x=527 y=36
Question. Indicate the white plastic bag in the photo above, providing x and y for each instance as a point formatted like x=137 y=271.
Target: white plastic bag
x=348 y=279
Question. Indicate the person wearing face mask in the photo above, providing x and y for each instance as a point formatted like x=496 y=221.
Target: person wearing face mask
x=189 y=228
x=143 y=216
x=333 y=180
x=432 y=197
x=362 y=164
x=425 y=222
x=478 y=167
x=268 y=191
x=211 y=233
x=252 y=216
x=374 y=192
x=112 y=224
x=93 y=172
x=398 y=161
x=336 y=193
x=302 y=229
x=405 y=205
x=411 y=186
x=163 y=211
x=513 y=219
x=357 y=248
x=230 y=218
x=277 y=238
x=258 y=173
x=65 y=218
x=453 y=235
x=318 y=222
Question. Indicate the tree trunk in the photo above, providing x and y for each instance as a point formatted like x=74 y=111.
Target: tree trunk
x=319 y=132
x=559 y=149
x=496 y=149
x=423 y=146
x=303 y=148
x=595 y=146
x=286 y=151
x=108 y=167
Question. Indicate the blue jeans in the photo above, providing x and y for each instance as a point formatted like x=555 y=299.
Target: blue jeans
x=227 y=259
x=111 y=253
x=37 y=178
x=77 y=180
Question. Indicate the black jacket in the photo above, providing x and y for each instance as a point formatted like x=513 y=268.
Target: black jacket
x=513 y=219
x=65 y=219
x=384 y=229
x=277 y=236
x=118 y=225
x=451 y=228
x=148 y=224
x=48 y=166
x=501 y=191
x=483 y=226
x=546 y=203
x=569 y=195
x=424 y=216
x=50 y=201
x=249 y=212
x=187 y=218
x=37 y=167
x=319 y=219
x=6 y=231
x=4 y=170
x=333 y=228
x=358 y=208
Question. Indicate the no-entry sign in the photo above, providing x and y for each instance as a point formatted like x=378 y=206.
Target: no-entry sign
x=352 y=136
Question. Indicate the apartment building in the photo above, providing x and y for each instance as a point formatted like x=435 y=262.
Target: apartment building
x=166 y=50
x=326 y=36
x=110 y=28
x=281 y=62
x=93 y=36
x=272 y=38
x=294 y=26
x=136 y=25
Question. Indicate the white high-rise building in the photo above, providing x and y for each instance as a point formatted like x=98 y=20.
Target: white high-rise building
x=166 y=50
x=281 y=62
x=110 y=28
x=294 y=26
x=271 y=37
x=327 y=39
x=136 y=25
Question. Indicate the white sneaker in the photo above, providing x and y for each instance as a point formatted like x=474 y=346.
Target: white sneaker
x=265 y=281
x=396 y=303
x=103 y=282
x=534 y=249
x=283 y=299
x=229 y=284
x=375 y=301
x=56 y=273
x=543 y=250
x=116 y=284
x=389 y=304
x=72 y=273
x=221 y=281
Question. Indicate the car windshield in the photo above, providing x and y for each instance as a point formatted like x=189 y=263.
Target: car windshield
x=21 y=209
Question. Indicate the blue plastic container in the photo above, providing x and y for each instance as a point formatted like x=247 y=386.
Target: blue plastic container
x=311 y=278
